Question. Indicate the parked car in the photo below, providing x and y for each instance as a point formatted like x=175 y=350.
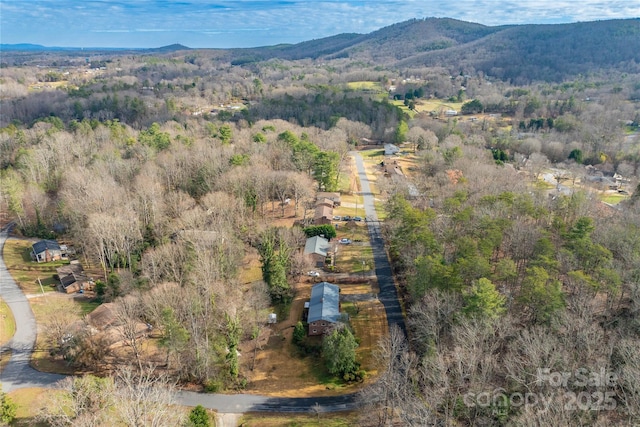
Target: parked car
x=346 y=218
x=337 y=218
x=357 y=218
x=345 y=241
x=313 y=273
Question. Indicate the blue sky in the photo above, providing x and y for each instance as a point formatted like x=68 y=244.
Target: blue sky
x=247 y=23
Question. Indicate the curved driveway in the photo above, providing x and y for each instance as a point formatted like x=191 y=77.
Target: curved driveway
x=18 y=373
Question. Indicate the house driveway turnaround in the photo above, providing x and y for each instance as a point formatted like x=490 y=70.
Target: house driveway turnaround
x=18 y=373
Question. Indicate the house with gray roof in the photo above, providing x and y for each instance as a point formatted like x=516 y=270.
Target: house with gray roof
x=391 y=149
x=324 y=307
x=317 y=249
x=46 y=251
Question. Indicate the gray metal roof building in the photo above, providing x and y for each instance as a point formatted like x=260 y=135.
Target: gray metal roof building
x=316 y=245
x=324 y=303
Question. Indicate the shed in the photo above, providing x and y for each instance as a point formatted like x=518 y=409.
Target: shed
x=390 y=149
x=333 y=196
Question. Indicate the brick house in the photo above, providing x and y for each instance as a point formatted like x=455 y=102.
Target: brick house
x=323 y=215
x=324 y=308
x=73 y=278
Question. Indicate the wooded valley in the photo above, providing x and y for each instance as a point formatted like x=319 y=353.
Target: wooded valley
x=513 y=227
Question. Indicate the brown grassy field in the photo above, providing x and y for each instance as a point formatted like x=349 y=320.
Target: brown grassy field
x=299 y=420
x=7 y=323
x=279 y=370
x=28 y=402
x=355 y=258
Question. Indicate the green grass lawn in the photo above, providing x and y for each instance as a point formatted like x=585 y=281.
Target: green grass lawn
x=350 y=257
x=344 y=182
x=404 y=108
x=26 y=272
x=365 y=85
x=613 y=199
x=368 y=154
x=543 y=185
x=429 y=105
x=369 y=323
x=381 y=212
x=7 y=323
x=87 y=306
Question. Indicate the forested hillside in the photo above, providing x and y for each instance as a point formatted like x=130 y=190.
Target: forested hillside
x=521 y=54
x=527 y=53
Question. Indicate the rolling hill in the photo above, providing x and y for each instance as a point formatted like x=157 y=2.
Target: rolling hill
x=518 y=53
x=521 y=53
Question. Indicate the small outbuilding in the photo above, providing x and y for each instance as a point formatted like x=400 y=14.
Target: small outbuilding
x=333 y=196
x=324 y=307
x=390 y=149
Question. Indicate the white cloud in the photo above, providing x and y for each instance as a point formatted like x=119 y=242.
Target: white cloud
x=49 y=21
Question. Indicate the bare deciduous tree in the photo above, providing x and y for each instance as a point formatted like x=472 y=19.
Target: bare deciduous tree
x=145 y=398
x=128 y=311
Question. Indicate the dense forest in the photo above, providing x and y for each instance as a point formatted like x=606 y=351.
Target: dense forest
x=161 y=166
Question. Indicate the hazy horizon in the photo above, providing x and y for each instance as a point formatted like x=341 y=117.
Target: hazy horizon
x=242 y=23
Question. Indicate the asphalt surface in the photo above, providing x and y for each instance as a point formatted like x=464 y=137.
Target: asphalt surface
x=18 y=373
x=388 y=295
x=240 y=403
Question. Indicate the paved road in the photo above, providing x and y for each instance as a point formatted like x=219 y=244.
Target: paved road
x=388 y=293
x=18 y=373
x=240 y=403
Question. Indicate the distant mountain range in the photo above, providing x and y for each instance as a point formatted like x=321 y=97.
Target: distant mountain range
x=519 y=53
x=28 y=47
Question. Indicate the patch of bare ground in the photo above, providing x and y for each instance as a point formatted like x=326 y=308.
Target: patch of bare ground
x=370 y=325
x=279 y=371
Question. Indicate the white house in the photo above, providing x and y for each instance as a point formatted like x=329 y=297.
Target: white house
x=390 y=149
